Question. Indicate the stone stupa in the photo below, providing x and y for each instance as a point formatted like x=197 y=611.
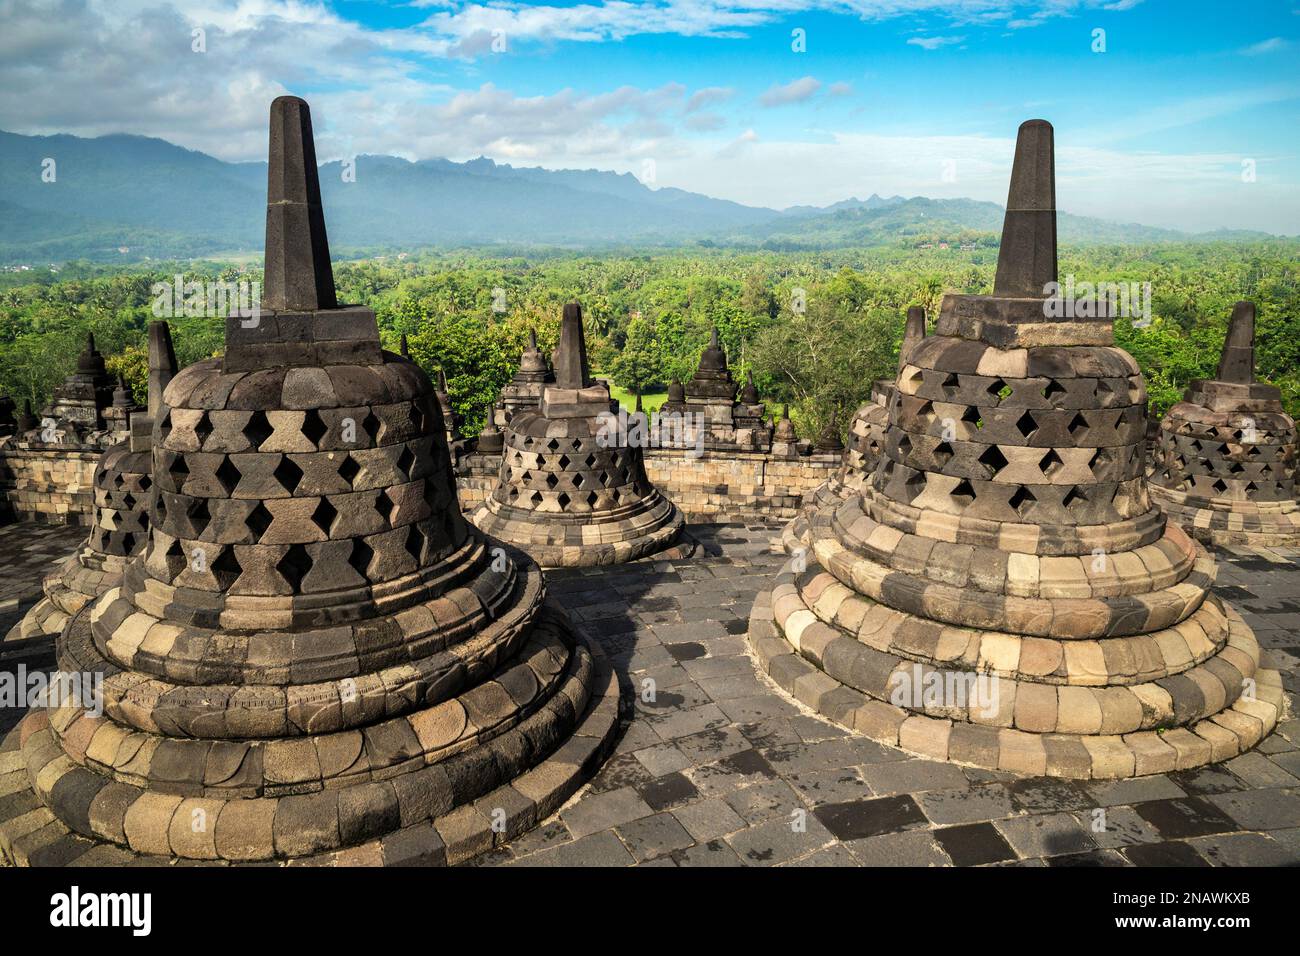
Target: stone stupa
x=573 y=489
x=524 y=390
x=120 y=525
x=1003 y=594
x=316 y=658
x=866 y=439
x=1225 y=460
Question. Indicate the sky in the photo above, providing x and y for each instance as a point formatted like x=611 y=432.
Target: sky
x=1176 y=113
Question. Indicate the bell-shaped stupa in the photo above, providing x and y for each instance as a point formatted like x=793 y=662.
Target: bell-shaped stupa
x=573 y=489
x=1224 y=465
x=1003 y=594
x=120 y=523
x=316 y=657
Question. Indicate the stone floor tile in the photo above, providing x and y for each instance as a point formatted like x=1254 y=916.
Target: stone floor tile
x=603 y=810
x=973 y=844
x=1046 y=834
x=777 y=841
x=654 y=836
x=967 y=804
x=905 y=848
x=707 y=820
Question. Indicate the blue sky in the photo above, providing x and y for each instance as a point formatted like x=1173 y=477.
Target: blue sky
x=916 y=97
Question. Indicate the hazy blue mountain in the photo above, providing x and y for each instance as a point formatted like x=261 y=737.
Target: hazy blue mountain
x=161 y=200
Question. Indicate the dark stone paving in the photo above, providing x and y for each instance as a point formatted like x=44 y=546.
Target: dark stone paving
x=717 y=767
x=28 y=552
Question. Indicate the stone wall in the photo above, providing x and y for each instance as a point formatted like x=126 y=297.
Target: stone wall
x=717 y=486
x=49 y=485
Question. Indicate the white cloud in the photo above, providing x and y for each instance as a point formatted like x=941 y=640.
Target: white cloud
x=796 y=91
x=1271 y=45
x=933 y=43
x=709 y=96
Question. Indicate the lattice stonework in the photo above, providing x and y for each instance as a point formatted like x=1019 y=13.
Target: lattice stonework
x=1224 y=465
x=1003 y=593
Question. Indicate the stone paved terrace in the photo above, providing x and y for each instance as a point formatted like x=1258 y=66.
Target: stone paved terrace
x=712 y=772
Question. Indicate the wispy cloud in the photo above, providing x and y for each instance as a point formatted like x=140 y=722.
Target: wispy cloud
x=933 y=43
x=796 y=91
x=1271 y=45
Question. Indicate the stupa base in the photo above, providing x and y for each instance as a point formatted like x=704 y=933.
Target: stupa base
x=36 y=774
x=555 y=544
x=999 y=744
x=1250 y=524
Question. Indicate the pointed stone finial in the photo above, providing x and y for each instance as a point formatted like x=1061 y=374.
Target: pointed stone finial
x=122 y=397
x=532 y=340
x=90 y=362
x=1027 y=256
x=749 y=394
x=442 y=381
x=1237 y=364
x=162 y=365
x=406 y=349
x=570 y=357
x=913 y=332
x=27 y=420
x=713 y=338
x=298 y=275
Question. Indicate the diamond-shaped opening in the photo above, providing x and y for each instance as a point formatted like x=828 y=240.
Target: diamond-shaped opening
x=361 y=556
x=1236 y=468
x=1220 y=486
x=178 y=470
x=563 y=500
x=258 y=520
x=1051 y=463
x=1077 y=424
x=324 y=515
x=998 y=389
x=349 y=469
x=925 y=412
x=1022 y=500
x=1026 y=425
x=287 y=474
x=384 y=505
x=160 y=508
x=314 y=427
x=228 y=475
x=1251 y=487
x=972 y=417
x=257 y=430
x=1104 y=392
x=605 y=478
x=553 y=444
x=199 y=515
x=174 y=556
x=1252 y=451
x=592 y=498
x=1052 y=389
x=128 y=543
x=951 y=383
x=406 y=462
x=165 y=426
x=578 y=479
x=203 y=428
x=914 y=485
x=145 y=482
x=942 y=453
x=551 y=480
x=904 y=447
x=993 y=460
x=128 y=501
x=536 y=498
x=1074 y=496
x=294 y=566
x=963 y=493
x=226 y=568
x=414 y=543
x=564 y=462
x=591 y=461
x=417 y=417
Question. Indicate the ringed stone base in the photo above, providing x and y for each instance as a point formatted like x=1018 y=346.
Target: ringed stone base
x=35 y=771
x=800 y=651
x=1255 y=524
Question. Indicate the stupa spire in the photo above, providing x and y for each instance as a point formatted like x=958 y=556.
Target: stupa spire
x=298 y=276
x=1027 y=256
x=913 y=332
x=162 y=365
x=1237 y=363
x=570 y=358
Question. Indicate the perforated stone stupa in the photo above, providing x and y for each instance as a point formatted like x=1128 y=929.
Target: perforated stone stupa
x=316 y=656
x=573 y=489
x=1003 y=594
x=1225 y=460
x=120 y=526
